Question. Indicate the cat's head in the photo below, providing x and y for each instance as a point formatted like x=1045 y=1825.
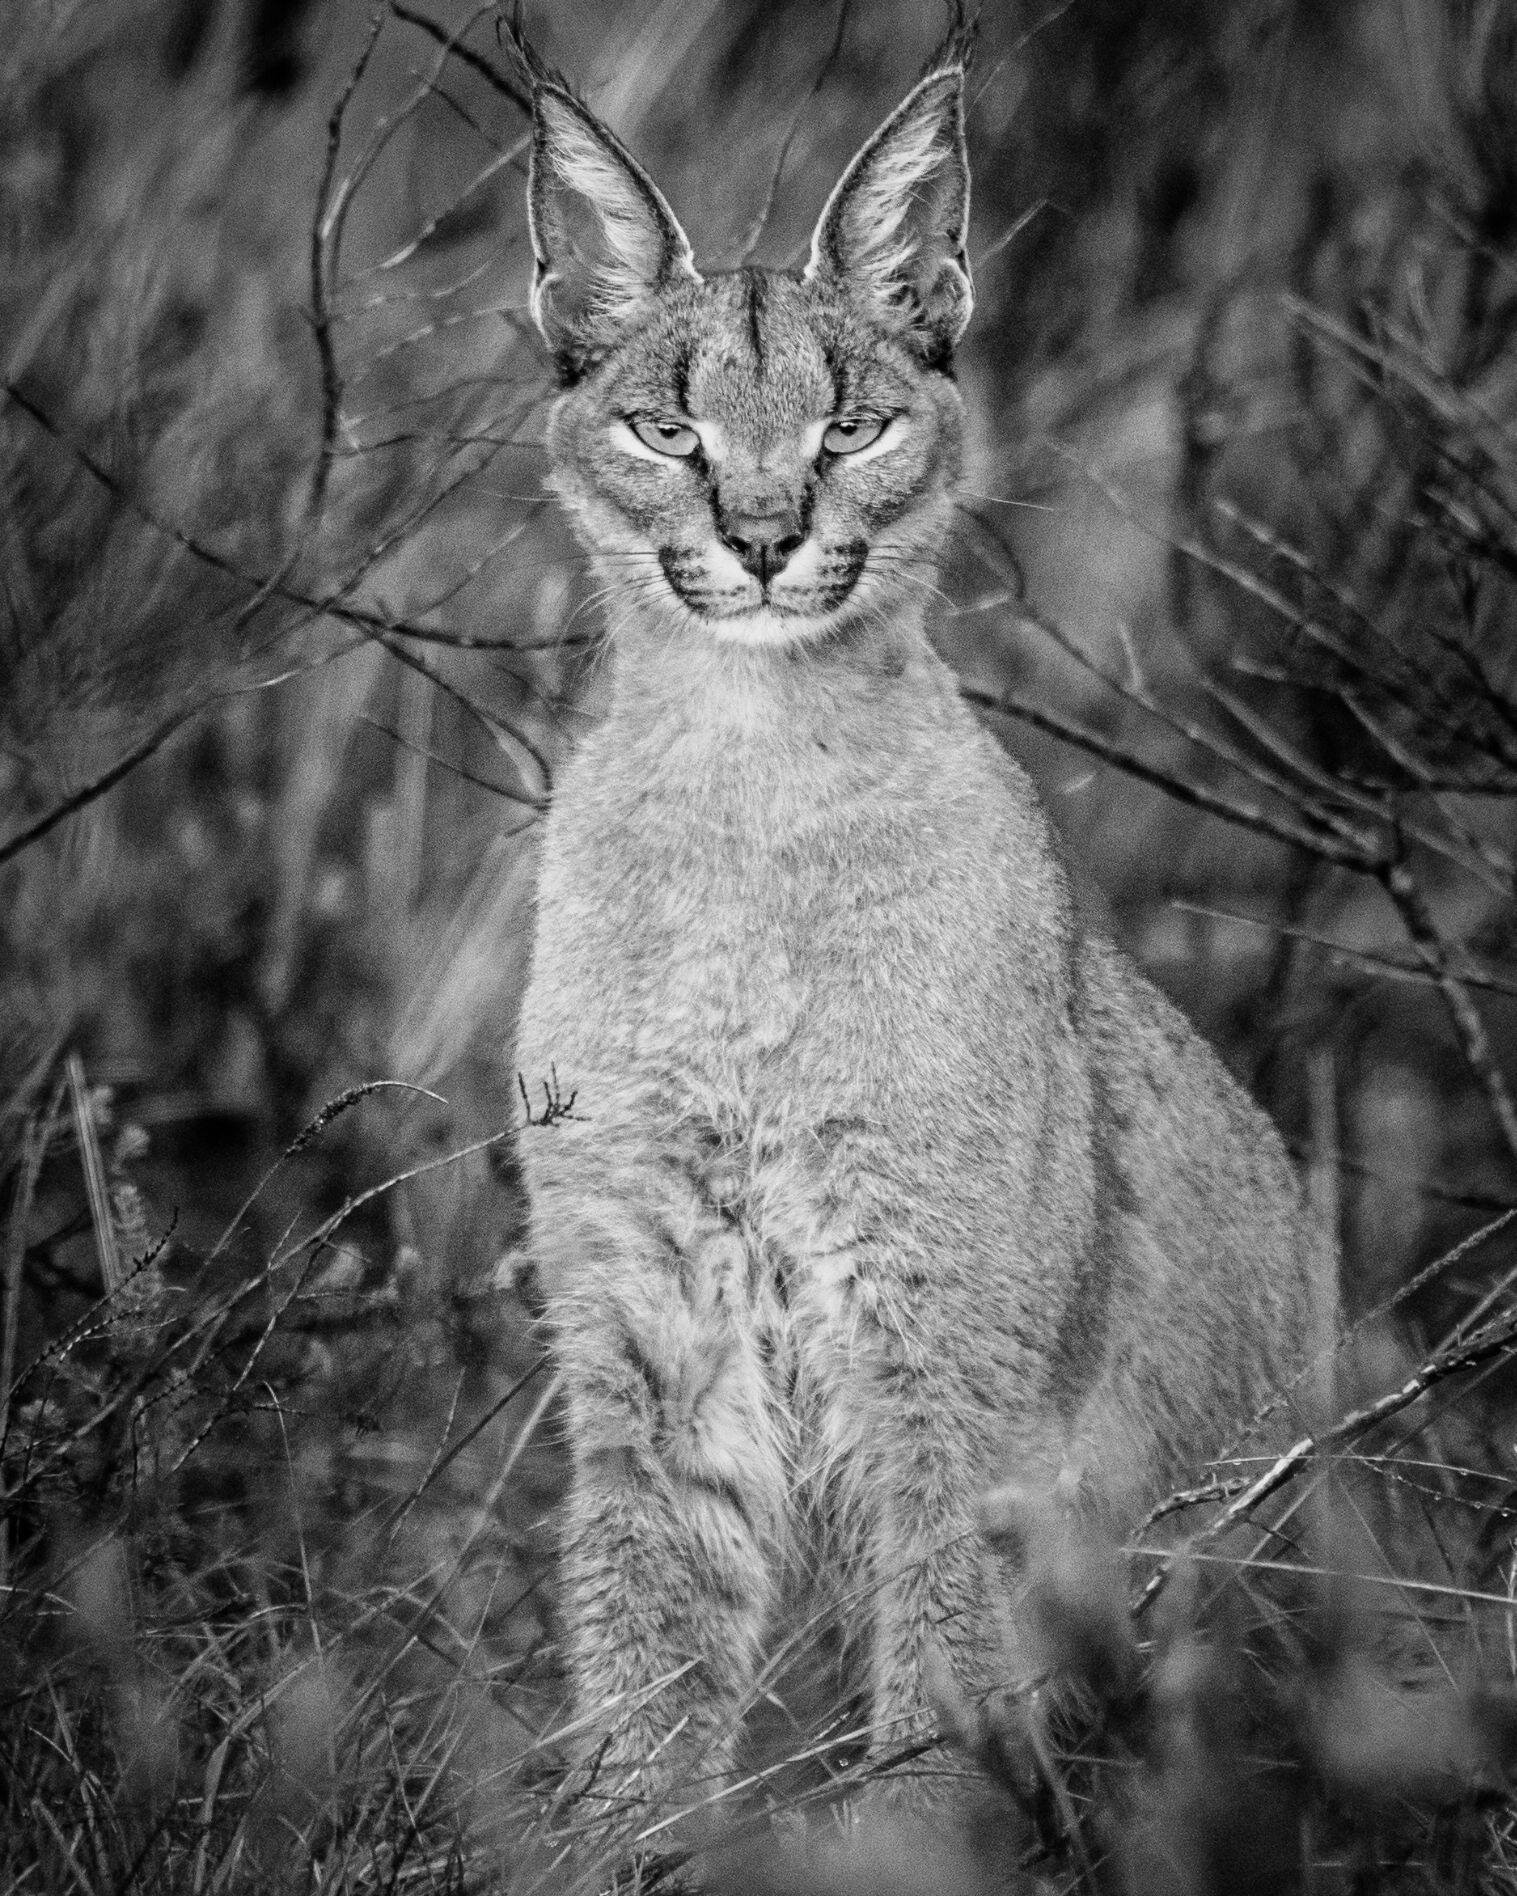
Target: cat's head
x=756 y=456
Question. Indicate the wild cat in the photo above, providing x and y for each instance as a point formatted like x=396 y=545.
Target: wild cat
x=884 y=1179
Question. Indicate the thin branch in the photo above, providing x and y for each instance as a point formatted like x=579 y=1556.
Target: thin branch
x=321 y=309
x=332 y=605
x=465 y=55
x=1468 y=853
x=1250 y=584
x=335 y=222
x=1012 y=232
x=107 y=780
x=1460 y=846
x=1291 y=792
x=507 y=540
x=1427 y=1188
x=1264 y=536
x=374 y=624
x=1437 y=957
x=1246 y=815
x=500 y=733
x=501 y=162
x=453 y=770
x=1483 y=1346
x=756 y=229
x=1373 y=961
x=1471 y=852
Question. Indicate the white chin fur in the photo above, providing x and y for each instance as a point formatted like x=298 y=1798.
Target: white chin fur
x=765 y=627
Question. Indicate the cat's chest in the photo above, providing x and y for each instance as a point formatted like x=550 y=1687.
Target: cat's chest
x=723 y=917
x=695 y=937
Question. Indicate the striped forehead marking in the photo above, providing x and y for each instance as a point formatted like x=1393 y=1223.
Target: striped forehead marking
x=755 y=305
x=764 y=362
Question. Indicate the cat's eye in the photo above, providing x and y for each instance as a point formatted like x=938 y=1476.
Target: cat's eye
x=850 y=433
x=667 y=437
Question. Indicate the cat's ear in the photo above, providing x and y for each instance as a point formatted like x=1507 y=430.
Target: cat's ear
x=894 y=231
x=604 y=238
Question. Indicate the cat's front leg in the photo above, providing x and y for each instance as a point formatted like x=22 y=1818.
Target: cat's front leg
x=676 y=1510
x=924 y=1411
x=932 y=1614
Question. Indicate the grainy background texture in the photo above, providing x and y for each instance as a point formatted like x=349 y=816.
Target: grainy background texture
x=290 y=639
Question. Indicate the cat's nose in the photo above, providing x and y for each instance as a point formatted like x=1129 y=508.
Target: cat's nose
x=763 y=543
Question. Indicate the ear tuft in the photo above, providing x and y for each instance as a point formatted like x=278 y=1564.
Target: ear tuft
x=529 y=62
x=604 y=238
x=893 y=235
x=961 y=36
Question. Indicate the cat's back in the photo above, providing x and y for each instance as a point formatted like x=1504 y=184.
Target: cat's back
x=1207 y=1262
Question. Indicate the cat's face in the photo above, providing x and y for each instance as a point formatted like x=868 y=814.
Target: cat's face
x=756 y=457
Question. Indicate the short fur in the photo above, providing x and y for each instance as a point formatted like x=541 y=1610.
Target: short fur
x=884 y=1180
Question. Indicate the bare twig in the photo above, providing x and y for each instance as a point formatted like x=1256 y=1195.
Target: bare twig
x=1399 y=1297
x=1373 y=960
x=1435 y=955
x=1246 y=815
x=335 y=604
x=321 y=308
x=97 y=787
x=465 y=55
x=1436 y=698
x=760 y=222
x=502 y=161
x=1484 y=1345
x=502 y=735
x=334 y=223
x=1470 y=853
x=447 y=764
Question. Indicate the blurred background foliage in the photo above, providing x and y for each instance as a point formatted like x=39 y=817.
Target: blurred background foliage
x=290 y=638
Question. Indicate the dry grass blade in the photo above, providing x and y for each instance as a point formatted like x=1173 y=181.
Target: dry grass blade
x=34 y=1146
x=91 y=1159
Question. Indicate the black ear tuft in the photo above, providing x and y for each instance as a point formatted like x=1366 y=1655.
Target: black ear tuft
x=893 y=236
x=957 y=46
x=532 y=69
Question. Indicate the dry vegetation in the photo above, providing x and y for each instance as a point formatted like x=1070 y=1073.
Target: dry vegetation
x=288 y=643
